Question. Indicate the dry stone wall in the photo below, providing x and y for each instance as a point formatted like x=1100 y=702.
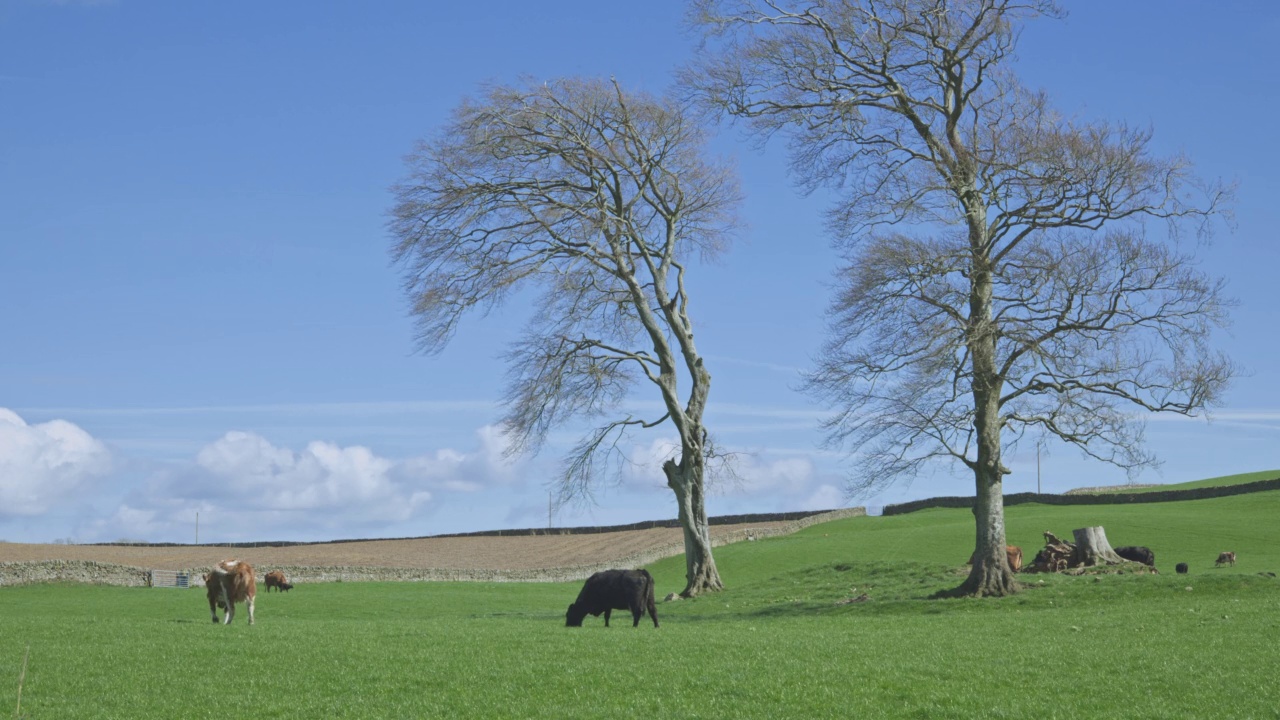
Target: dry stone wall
x=309 y=574
x=1087 y=499
x=84 y=571
x=20 y=573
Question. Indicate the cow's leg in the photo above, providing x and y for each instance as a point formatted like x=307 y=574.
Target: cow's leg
x=653 y=611
x=250 y=609
x=213 y=608
x=607 y=613
x=637 y=612
x=229 y=607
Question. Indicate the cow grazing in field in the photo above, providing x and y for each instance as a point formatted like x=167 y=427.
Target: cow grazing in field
x=610 y=590
x=275 y=579
x=231 y=582
x=1225 y=558
x=1014 y=555
x=1138 y=554
x=1181 y=568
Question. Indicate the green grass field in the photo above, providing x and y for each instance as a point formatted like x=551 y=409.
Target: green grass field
x=1211 y=482
x=776 y=644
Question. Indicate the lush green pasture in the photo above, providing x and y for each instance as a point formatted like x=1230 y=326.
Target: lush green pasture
x=776 y=644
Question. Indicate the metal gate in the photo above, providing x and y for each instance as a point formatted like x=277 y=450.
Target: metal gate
x=168 y=579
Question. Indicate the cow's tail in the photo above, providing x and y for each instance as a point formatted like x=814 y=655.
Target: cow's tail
x=649 y=603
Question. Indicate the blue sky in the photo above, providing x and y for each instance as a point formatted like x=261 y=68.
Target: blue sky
x=199 y=313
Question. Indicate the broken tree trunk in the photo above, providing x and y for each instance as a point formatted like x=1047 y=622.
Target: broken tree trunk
x=1054 y=557
x=1092 y=548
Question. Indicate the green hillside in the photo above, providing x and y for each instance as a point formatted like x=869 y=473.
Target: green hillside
x=1193 y=531
x=1240 y=479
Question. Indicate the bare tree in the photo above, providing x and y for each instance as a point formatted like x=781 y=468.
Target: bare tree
x=598 y=198
x=998 y=274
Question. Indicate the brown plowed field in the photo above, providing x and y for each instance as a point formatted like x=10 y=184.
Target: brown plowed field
x=519 y=553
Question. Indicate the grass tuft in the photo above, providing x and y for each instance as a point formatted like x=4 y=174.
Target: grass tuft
x=22 y=676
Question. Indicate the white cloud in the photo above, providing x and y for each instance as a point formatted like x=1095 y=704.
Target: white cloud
x=740 y=474
x=43 y=464
x=787 y=477
x=824 y=497
x=322 y=477
x=489 y=466
x=641 y=465
x=245 y=487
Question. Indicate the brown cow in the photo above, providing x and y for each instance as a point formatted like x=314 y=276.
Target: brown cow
x=231 y=581
x=275 y=579
x=1014 y=554
x=1225 y=558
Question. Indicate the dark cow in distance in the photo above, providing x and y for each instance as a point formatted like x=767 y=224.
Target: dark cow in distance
x=610 y=590
x=1138 y=554
x=275 y=579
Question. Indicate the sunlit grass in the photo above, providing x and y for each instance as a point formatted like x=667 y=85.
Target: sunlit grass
x=1240 y=479
x=780 y=642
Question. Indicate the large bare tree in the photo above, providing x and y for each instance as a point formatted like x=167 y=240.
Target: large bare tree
x=999 y=275
x=599 y=199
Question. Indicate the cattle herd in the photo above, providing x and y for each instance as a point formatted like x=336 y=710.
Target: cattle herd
x=233 y=581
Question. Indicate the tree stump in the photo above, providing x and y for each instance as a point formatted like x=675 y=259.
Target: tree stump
x=1092 y=548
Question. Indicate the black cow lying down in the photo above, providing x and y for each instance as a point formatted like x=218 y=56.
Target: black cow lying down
x=610 y=590
x=1137 y=554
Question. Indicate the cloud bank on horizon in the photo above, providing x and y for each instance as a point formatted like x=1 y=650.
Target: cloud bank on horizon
x=63 y=483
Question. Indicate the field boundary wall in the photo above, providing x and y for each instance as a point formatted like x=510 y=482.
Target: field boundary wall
x=21 y=573
x=1120 y=498
x=82 y=571
x=798 y=515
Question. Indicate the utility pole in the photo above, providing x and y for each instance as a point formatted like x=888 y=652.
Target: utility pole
x=1037 y=469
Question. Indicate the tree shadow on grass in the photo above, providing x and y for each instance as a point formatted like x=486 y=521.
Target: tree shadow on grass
x=838 y=589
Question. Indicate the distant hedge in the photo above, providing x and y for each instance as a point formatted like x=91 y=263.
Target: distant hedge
x=643 y=525
x=1091 y=499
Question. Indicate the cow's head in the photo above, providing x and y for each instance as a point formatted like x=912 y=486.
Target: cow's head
x=574 y=616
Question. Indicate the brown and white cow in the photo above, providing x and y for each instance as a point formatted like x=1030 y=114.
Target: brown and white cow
x=1225 y=558
x=275 y=579
x=1014 y=554
x=230 y=582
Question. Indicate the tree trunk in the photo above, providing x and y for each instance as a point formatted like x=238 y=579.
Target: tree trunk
x=1092 y=548
x=685 y=479
x=991 y=574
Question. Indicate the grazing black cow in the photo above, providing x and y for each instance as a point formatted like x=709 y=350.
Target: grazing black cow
x=1137 y=554
x=1181 y=568
x=610 y=590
